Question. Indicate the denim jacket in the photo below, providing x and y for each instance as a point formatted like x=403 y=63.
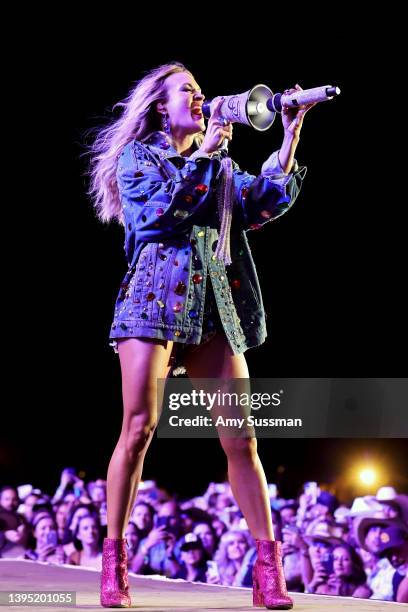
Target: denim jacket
x=171 y=230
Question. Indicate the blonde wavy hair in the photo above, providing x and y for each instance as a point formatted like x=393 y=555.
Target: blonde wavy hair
x=138 y=120
x=226 y=566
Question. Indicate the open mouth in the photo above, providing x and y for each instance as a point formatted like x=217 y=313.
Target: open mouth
x=197 y=113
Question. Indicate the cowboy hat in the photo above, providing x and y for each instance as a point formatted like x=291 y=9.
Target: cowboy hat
x=389 y=494
x=363 y=524
x=323 y=531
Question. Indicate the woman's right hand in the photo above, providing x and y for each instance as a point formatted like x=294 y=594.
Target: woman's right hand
x=45 y=550
x=320 y=575
x=293 y=537
x=216 y=130
x=156 y=535
x=66 y=479
x=335 y=582
x=212 y=578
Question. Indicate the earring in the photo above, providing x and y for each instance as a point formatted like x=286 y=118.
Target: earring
x=166 y=124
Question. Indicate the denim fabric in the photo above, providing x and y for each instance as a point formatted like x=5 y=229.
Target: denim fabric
x=171 y=231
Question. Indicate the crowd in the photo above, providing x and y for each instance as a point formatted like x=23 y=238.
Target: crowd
x=328 y=548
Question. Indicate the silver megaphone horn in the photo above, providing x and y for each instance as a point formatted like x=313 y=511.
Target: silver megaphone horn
x=249 y=108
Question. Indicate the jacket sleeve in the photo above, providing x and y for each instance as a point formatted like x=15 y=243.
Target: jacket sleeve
x=266 y=197
x=158 y=203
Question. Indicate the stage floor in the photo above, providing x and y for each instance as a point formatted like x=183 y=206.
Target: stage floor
x=156 y=594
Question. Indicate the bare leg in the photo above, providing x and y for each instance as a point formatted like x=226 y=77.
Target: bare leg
x=142 y=362
x=215 y=359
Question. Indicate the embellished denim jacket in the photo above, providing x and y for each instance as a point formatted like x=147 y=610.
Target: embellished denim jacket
x=171 y=230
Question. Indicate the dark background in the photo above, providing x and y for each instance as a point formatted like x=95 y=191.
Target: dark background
x=332 y=270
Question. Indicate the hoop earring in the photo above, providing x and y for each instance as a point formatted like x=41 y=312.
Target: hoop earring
x=166 y=124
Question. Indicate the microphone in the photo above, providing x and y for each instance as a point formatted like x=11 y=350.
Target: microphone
x=298 y=98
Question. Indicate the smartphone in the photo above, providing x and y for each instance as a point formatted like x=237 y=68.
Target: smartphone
x=103 y=514
x=326 y=561
x=70 y=470
x=273 y=491
x=212 y=569
x=162 y=521
x=52 y=538
x=24 y=490
x=311 y=489
x=243 y=525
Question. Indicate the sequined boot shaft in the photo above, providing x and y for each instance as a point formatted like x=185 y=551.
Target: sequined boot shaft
x=269 y=586
x=114 y=576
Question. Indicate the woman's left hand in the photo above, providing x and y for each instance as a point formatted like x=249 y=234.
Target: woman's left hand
x=292 y=117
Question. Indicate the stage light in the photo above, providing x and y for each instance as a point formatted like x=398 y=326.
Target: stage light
x=368 y=476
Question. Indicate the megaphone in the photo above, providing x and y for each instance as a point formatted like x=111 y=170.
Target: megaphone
x=249 y=108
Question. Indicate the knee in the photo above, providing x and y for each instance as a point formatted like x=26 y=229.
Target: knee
x=138 y=432
x=240 y=449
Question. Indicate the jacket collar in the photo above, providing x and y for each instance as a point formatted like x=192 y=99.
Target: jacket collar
x=164 y=144
x=162 y=141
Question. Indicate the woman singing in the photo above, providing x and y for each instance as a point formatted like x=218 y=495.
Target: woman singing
x=191 y=294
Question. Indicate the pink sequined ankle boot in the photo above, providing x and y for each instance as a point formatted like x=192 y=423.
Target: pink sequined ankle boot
x=114 y=577
x=268 y=578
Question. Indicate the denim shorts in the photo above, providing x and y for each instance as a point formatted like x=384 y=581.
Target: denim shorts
x=211 y=326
